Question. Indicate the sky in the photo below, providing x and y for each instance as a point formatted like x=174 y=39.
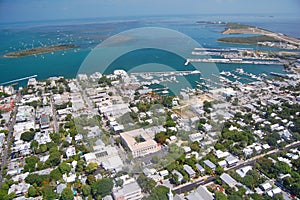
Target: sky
x=36 y=10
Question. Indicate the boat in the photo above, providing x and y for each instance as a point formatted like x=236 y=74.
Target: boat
x=195 y=72
x=239 y=70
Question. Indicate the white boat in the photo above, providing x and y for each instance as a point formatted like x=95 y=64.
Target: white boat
x=239 y=70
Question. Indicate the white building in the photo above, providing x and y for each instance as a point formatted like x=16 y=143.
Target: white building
x=145 y=145
x=129 y=191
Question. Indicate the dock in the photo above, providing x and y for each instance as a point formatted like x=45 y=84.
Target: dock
x=19 y=79
x=235 y=61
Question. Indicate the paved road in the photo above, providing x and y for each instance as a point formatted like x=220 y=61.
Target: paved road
x=56 y=128
x=190 y=186
x=11 y=124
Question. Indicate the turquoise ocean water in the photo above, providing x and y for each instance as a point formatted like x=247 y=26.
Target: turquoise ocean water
x=87 y=33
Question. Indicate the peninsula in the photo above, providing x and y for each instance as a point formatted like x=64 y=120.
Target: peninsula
x=267 y=38
x=40 y=50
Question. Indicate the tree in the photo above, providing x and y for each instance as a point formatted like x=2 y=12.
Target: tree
x=32 y=192
x=43 y=148
x=48 y=192
x=55 y=138
x=54 y=158
x=170 y=123
x=86 y=190
x=256 y=196
x=249 y=181
x=102 y=187
x=67 y=194
x=220 y=195
x=28 y=136
x=119 y=182
x=160 y=137
x=283 y=167
x=195 y=146
x=147 y=184
x=234 y=197
x=35 y=178
x=91 y=167
x=219 y=170
x=207 y=105
x=90 y=179
x=30 y=163
x=64 y=168
x=55 y=175
x=159 y=193
x=155 y=159
x=34 y=144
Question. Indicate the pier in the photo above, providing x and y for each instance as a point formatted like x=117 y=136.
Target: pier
x=19 y=79
x=167 y=73
x=235 y=61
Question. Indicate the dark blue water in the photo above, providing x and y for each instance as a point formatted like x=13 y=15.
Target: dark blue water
x=89 y=33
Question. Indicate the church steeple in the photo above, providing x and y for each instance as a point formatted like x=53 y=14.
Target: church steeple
x=170 y=195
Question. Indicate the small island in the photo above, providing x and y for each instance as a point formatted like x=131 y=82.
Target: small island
x=40 y=50
x=266 y=37
x=248 y=40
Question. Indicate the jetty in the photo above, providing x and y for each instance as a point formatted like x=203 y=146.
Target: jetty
x=19 y=79
x=235 y=61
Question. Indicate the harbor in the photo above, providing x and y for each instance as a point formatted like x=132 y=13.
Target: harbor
x=231 y=61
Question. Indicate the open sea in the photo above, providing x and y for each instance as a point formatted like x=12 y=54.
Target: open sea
x=88 y=33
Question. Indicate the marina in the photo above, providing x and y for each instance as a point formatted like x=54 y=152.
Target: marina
x=232 y=61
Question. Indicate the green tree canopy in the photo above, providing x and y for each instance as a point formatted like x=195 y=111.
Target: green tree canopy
x=102 y=187
x=28 y=136
x=64 y=168
x=67 y=194
x=55 y=175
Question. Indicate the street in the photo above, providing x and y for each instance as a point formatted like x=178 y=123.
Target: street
x=11 y=124
x=192 y=185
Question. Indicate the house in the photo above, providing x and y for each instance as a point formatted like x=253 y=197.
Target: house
x=221 y=154
x=228 y=180
x=164 y=173
x=108 y=197
x=231 y=160
x=247 y=152
x=129 y=191
x=265 y=186
x=286 y=135
x=222 y=163
x=243 y=171
x=70 y=152
x=69 y=179
x=209 y=164
x=196 y=137
x=201 y=193
x=44 y=121
x=60 y=188
x=148 y=172
x=107 y=156
x=207 y=127
x=276 y=190
x=187 y=149
x=42 y=137
x=200 y=168
x=188 y=169
x=19 y=189
x=258 y=148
